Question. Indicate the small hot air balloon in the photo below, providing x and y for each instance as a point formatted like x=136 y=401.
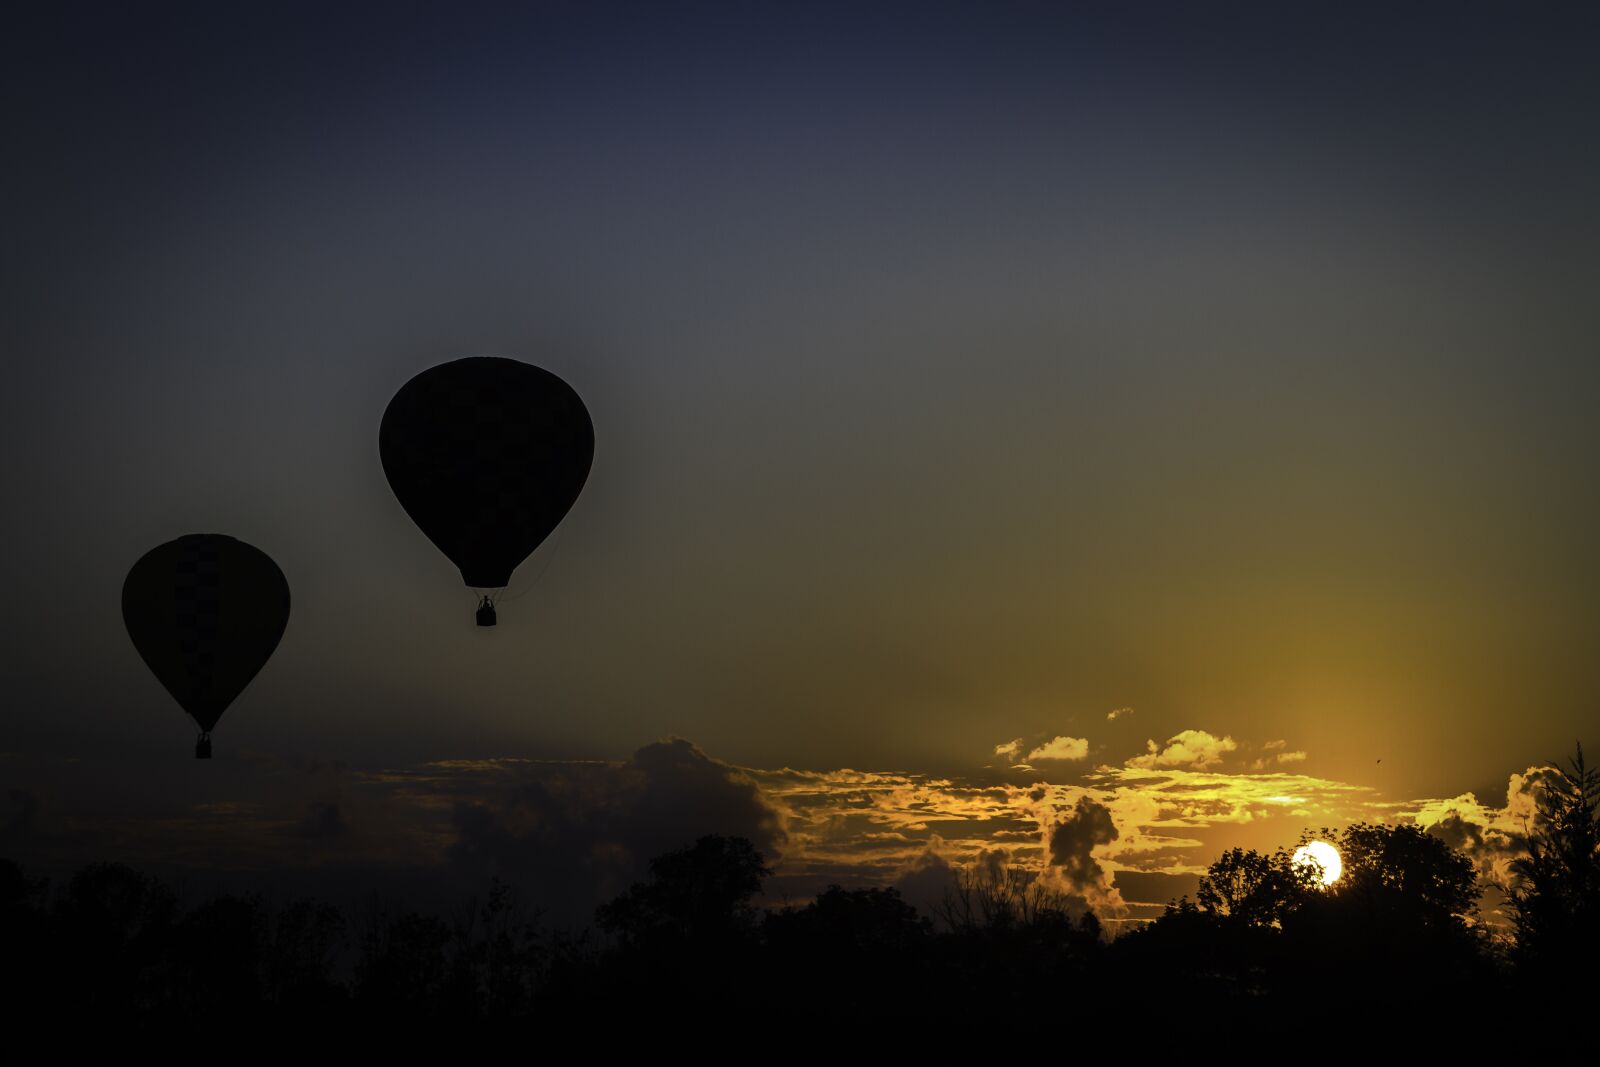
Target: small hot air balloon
x=486 y=455
x=205 y=612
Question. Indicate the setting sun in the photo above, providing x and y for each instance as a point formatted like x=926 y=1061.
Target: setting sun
x=1323 y=856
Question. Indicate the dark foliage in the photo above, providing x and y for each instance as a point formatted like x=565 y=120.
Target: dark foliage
x=1261 y=942
x=1555 y=898
x=1247 y=890
x=698 y=895
x=1397 y=927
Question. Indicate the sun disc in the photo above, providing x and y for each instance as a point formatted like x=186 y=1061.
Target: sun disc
x=1322 y=857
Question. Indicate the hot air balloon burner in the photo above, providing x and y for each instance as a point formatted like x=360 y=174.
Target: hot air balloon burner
x=486 y=612
x=202 y=746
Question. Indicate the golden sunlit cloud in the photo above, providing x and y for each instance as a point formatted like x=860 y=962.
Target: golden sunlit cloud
x=1009 y=750
x=1191 y=748
x=1061 y=748
x=1123 y=838
x=1168 y=825
x=1493 y=838
x=1117 y=713
x=1280 y=758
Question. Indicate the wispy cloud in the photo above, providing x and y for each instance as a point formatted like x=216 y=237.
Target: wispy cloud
x=1278 y=759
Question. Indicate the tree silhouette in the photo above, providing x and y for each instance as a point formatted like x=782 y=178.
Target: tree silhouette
x=1248 y=889
x=1004 y=928
x=218 y=957
x=848 y=923
x=404 y=964
x=867 y=946
x=1399 y=923
x=1404 y=873
x=1555 y=895
x=25 y=933
x=1262 y=941
x=701 y=894
x=991 y=896
x=113 y=931
x=686 y=939
x=483 y=961
x=301 y=954
x=1228 y=941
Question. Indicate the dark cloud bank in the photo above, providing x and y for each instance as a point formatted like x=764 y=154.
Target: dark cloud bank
x=574 y=834
x=567 y=835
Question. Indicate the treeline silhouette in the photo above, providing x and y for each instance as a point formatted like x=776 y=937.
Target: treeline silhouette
x=1262 y=942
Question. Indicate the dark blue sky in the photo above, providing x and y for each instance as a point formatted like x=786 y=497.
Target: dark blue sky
x=958 y=371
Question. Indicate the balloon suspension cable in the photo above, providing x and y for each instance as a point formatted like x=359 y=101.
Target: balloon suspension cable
x=549 y=556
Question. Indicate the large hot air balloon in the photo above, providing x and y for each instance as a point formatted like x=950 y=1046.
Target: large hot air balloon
x=486 y=455
x=205 y=612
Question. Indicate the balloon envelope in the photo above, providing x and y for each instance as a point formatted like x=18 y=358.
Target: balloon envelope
x=205 y=612
x=486 y=455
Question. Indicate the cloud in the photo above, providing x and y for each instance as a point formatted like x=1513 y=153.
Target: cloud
x=1491 y=837
x=1522 y=796
x=919 y=832
x=578 y=834
x=927 y=879
x=1117 y=713
x=1178 y=799
x=1281 y=758
x=1067 y=748
x=1070 y=863
x=323 y=820
x=1191 y=748
x=1069 y=845
x=1272 y=745
x=569 y=834
x=1058 y=748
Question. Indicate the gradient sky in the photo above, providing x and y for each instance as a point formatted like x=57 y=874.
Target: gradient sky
x=961 y=373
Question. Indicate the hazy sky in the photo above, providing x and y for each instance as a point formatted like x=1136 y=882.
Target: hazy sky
x=960 y=374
